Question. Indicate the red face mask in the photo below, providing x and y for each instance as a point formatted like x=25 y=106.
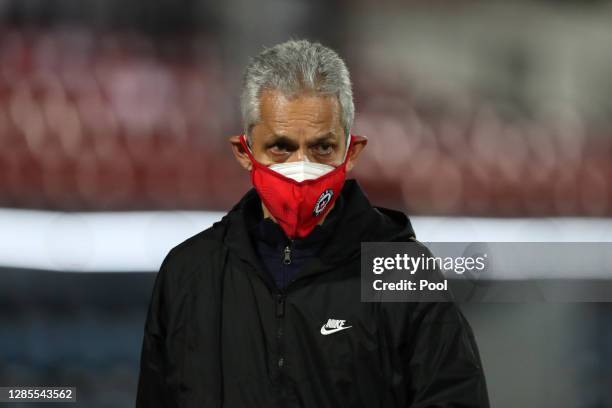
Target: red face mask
x=297 y=206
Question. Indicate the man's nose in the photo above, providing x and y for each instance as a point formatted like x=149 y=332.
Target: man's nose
x=299 y=155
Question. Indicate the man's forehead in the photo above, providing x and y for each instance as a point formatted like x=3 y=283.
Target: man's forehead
x=303 y=118
x=315 y=108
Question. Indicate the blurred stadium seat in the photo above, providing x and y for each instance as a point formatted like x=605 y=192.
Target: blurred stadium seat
x=120 y=120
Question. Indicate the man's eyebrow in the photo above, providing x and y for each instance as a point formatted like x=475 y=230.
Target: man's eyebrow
x=275 y=138
x=328 y=137
x=286 y=140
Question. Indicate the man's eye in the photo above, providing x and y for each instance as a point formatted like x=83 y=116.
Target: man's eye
x=324 y=149
x=279 y=148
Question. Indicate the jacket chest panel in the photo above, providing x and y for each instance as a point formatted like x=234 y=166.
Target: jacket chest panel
x=329 y=328
x=322 y=328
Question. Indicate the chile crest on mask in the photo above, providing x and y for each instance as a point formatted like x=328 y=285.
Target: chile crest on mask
x=297 y=206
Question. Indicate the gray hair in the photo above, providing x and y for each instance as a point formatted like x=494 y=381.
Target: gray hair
x=293 y=67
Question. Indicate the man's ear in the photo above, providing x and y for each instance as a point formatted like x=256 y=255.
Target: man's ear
x=241 y=155
x=359 y=142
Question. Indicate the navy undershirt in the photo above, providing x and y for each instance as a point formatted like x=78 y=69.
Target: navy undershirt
x=270 y=243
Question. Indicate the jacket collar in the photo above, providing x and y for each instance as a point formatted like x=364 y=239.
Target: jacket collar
x=356 y=221
x=266 y=230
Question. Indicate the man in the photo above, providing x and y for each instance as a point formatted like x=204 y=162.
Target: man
x=263 y=309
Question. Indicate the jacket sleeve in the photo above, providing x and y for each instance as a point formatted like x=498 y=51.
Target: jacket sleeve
x=442 y=360
x=153 y=390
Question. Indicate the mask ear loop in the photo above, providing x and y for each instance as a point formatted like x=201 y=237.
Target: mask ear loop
x=348 y=147
x=246 y=142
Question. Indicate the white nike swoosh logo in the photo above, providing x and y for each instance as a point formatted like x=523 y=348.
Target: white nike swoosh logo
x=325 y=331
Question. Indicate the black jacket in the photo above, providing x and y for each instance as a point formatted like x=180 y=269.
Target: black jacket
x=219 y=333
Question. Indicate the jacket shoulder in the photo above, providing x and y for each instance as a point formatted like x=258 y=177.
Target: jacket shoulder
x=208 y=238
x=200 y=252
x=396 y=225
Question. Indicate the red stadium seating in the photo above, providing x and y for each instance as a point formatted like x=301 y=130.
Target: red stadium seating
x=98 y=120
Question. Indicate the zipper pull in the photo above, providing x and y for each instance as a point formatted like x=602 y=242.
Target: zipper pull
x=287 y=255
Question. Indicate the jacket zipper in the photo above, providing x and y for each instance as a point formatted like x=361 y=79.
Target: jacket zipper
x=280 y=305
x=280 y=314
x=280 y=356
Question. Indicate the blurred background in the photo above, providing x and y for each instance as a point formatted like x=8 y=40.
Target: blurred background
x=488 y=120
